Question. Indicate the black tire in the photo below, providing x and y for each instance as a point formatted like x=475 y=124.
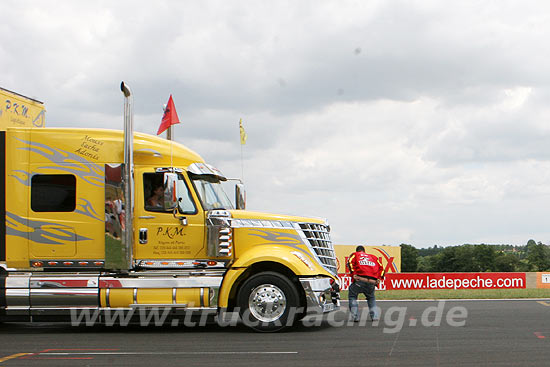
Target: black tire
x=268 y=302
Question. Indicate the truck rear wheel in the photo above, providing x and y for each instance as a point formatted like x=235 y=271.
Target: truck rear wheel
x=268 y=302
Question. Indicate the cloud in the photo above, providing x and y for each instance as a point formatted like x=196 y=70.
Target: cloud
x=408 y=121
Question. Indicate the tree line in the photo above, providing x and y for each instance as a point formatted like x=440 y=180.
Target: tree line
x=534 y=256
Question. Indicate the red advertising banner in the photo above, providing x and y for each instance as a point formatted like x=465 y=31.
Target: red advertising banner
x=394 y=281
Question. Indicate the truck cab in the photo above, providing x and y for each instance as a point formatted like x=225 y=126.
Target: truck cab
x=69 y=244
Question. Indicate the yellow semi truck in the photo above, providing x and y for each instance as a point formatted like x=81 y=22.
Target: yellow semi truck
x=168 y=236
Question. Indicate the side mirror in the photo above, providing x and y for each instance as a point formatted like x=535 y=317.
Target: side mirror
x=240 y=196
x=170 y=190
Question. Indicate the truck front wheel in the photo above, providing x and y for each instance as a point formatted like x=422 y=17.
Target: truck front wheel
x=268 y=302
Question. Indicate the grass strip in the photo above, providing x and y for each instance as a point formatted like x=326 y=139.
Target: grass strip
x=458 y=294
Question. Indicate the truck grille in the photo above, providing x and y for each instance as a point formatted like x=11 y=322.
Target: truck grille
x=318 y=239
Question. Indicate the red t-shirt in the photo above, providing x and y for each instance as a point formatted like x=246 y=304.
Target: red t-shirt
x=365 y=265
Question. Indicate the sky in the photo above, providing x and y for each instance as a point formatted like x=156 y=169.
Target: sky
x=419 y=122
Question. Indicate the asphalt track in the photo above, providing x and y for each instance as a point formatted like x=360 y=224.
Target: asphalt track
x=495 y=333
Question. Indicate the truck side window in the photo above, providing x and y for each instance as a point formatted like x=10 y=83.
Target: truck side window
x=153 y=187
x=153 y=191
x=187 y=205
x=53 y=193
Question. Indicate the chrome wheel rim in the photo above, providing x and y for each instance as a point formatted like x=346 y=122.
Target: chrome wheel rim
x=267 y=303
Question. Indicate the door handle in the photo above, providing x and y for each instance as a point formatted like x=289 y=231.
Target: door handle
x=143 y=236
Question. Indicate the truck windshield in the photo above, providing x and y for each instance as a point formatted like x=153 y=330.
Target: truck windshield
x=211 y=192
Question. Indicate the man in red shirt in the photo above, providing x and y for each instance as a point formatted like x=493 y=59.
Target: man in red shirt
x=366 y=272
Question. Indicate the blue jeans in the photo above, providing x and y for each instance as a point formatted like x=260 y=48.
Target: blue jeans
x=367 y=289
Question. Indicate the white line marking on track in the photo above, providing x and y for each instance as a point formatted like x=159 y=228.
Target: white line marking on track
x=153 y=353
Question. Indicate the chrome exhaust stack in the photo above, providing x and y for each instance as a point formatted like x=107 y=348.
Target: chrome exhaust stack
x=128 y=175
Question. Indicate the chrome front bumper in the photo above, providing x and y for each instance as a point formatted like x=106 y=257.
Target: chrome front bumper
x=320 y=295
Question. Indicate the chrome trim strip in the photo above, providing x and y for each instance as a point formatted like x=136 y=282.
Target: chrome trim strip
x=135 y=295
x=161 y=282
x=202 y=297
x=17 y=310
x=154 y=305
x=174 y=291
x=257 y=223
x=181 y=264
x=168 y=273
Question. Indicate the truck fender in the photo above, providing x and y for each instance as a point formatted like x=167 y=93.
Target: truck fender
x=299 y=262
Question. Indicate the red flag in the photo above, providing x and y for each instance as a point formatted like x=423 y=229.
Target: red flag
x=169 y=118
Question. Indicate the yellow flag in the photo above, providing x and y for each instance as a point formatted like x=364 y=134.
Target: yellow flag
x=244 y=136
